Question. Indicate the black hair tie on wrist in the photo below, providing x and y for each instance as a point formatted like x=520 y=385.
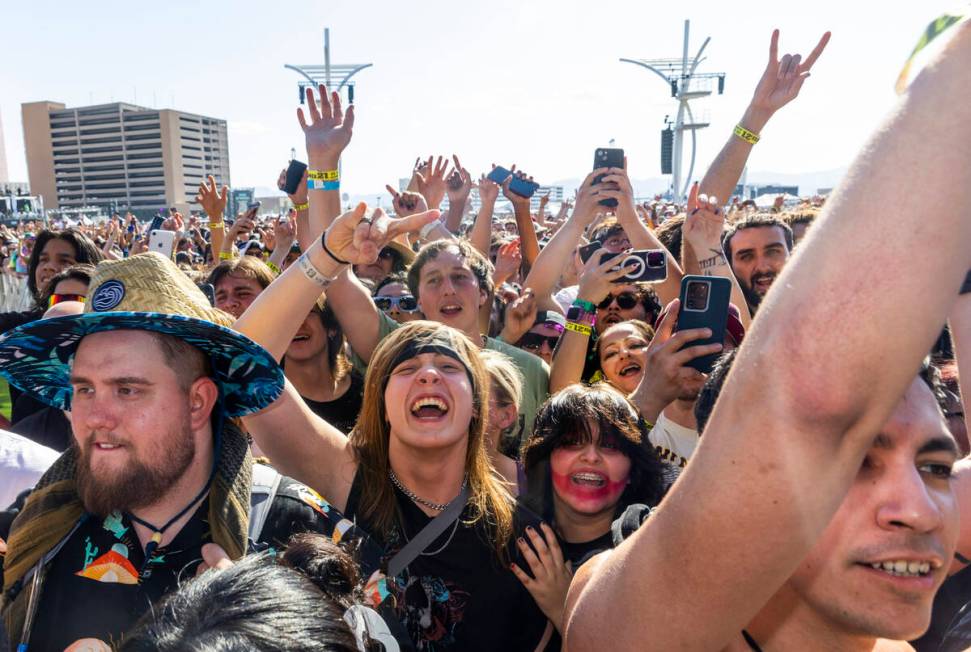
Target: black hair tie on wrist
x=323 y=243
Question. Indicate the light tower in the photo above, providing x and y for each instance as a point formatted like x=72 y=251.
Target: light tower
x=686 y=85
x=327 y=74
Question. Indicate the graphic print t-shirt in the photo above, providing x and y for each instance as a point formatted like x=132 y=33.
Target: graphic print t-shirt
x=96 y=587
x=674 y=444
x=461 y=598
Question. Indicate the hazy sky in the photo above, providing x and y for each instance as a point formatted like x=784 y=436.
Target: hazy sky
x=535 y=83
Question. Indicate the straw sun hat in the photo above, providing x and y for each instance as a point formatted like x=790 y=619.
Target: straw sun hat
x=145 y=292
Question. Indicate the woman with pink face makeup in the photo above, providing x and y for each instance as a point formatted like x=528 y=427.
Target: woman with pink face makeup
x=588 y=460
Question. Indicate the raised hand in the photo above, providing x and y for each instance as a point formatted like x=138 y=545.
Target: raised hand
x=596 y=278
x=459 y=184
x=407 y=203
x=513 y=198
x=588 y=198
x=431 y=182
x=212 y=200
x=174 y=223
x=509 y=258
x=358 y=240
x=520 y=316
x=551 y=574
x=488 y=189
x=782 y=79
x=667 y=376
x=703 y=224
x=330 y=129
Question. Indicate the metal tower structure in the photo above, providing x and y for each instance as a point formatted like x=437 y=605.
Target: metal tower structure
x=327 y=74
x=685 y=85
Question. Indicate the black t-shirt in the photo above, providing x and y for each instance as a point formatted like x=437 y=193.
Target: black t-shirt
x=41 y=423
x=954 y=594
x=577 y=553
x=92 y=586
x=461 y=597
x=341 y=412
x=96 y=586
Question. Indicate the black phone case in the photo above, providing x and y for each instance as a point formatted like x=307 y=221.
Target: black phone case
x=294 y=175
x=715 y=317
x=587 y=250
x=607 y=158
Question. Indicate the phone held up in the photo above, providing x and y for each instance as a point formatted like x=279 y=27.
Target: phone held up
x=648 y=265
x=704 y=304
x=522 y=186
x=498 y=175
x=606 y=157
x=162 y=241
x=294 y=174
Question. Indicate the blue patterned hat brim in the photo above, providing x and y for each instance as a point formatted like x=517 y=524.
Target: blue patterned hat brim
x=36 y=357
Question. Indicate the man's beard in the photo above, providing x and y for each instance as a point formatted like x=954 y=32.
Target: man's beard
x=137 y=484
x=753 y=298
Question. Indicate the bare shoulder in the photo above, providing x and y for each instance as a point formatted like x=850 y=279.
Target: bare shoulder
x=581 y=577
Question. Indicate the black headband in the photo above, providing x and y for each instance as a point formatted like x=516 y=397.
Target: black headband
x=438 y=343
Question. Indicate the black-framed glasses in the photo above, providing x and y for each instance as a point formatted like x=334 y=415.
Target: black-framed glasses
x=534 y=341
x=625 y=301
x=404 y=303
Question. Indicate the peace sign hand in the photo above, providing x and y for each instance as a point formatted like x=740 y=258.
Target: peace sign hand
x=782 y=79
x=330 y=129
x=358 y=240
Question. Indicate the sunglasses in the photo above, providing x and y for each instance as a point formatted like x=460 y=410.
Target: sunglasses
x=625 y=301
x=534 y=341
x=61 y=298
x=404 y=303
x=387 y=253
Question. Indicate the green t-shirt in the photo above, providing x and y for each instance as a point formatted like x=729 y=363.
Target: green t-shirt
x=536 y=384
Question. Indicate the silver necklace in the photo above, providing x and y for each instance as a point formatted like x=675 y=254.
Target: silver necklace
x=438 y=507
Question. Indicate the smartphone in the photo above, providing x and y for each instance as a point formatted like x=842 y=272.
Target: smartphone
x=650 y=265
x=499 y=175
x=294 y=174
x=523 y=187
x=588 y=250
x=252 y=208
x=162 y=241
x=156 y=223
x=209 y=291
x=704 y=304
x=606 y=157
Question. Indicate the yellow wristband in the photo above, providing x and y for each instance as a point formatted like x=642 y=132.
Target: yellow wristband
x=746 y=135
x=301 y=207
x=324 y=175
x=225 y=256
x=583 y=329
x=217 y=225
x=273 y=267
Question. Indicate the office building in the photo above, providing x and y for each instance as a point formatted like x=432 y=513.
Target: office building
x=121 y=156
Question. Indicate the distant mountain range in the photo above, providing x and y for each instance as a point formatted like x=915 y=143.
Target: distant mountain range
x=809 y=183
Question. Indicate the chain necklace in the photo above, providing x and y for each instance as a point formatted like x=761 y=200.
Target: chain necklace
x=438 y=507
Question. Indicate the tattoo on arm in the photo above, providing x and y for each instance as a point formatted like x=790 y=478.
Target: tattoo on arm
x=717 y=258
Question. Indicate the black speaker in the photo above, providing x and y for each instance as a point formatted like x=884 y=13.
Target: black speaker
x=667 y=150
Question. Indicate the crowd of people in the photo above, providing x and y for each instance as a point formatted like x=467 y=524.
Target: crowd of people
x=427 y=429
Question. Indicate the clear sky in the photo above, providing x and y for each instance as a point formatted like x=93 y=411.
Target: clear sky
x=535 y=83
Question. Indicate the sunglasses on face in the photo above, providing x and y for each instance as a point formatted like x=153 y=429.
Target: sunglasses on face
x=386 y=254
x=404 y=303
x=625 y=301
x=61 y=298
x=534 y=341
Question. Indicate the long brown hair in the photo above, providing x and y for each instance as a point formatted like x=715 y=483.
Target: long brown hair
x=488 y=499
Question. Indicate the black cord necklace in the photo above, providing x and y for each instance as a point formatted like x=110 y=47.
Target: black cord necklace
x=751 y=642
x=157 y=532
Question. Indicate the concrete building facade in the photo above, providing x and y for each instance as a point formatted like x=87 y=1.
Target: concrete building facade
x=121 y=156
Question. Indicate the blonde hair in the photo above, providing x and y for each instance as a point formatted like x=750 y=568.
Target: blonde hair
x=489 y=501
x=505 y=375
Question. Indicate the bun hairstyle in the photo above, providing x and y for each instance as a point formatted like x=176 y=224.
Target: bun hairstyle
x=294 y=603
